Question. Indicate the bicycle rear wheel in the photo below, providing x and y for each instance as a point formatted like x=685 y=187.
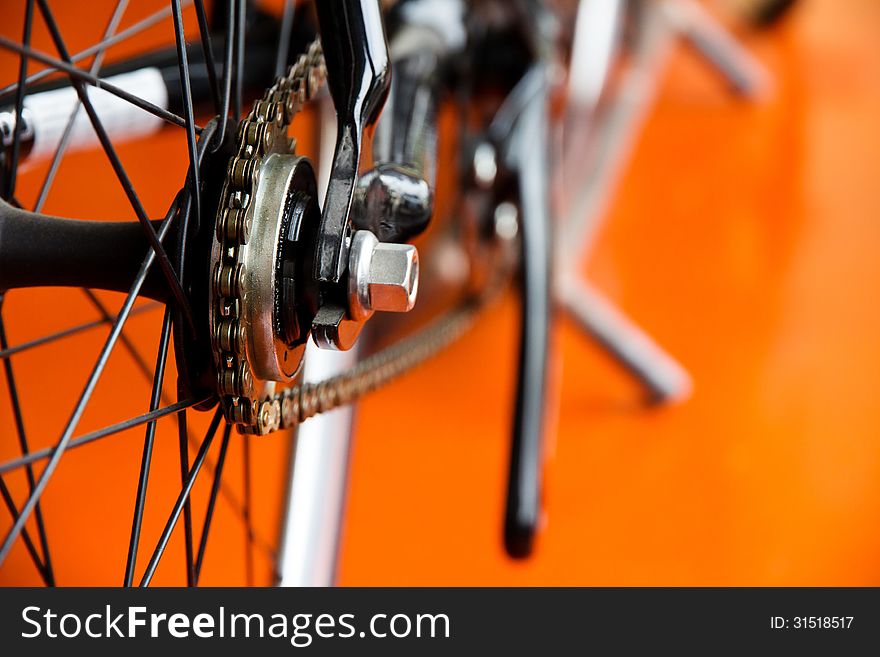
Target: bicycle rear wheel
x=107 y=474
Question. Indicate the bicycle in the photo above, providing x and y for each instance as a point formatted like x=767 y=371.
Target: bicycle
x=250 y=264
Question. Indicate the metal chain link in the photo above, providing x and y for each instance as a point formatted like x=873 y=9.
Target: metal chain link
x=262 y=132
x=309 y=399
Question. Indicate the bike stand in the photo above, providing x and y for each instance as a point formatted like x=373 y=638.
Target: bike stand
x=717 y=46
x=663 y=378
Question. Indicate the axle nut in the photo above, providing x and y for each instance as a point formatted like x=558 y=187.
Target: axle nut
x=394 y=277
x=382 y=276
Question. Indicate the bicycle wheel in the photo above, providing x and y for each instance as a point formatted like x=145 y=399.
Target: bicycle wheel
x=107 y=474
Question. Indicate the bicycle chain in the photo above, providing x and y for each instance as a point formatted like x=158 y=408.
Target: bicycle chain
x=258 y=135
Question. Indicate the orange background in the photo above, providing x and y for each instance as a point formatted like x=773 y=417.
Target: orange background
x=745 y=238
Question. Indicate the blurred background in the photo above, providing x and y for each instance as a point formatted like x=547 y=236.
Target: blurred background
x=744 y=234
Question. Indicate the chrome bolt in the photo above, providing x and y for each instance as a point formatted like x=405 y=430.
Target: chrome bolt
x=394 y=277
x=382 y=276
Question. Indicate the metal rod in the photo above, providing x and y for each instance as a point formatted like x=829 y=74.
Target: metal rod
x=147 y=454
x=181 y=501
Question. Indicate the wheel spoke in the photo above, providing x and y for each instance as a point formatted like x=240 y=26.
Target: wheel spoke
x=228 y=50
x=208 y=51
x=48 y=579
x=187 y=506
x=230 y=495
x=182 y=498
x=147 y=456
x=226 y=91
x=225 y=491
x=82 y=76
x=19 y=100
x=248 y=518
x=25 y=450
x=92 y=381
x=186 y=92
x=238 y=508
x=149 y=230
x=212 y=501
x=284 y=37
x=239 y=36
x=127 y=344
x=61 y=149
x=73 y=330
x=92 y=436
x=148 y=22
